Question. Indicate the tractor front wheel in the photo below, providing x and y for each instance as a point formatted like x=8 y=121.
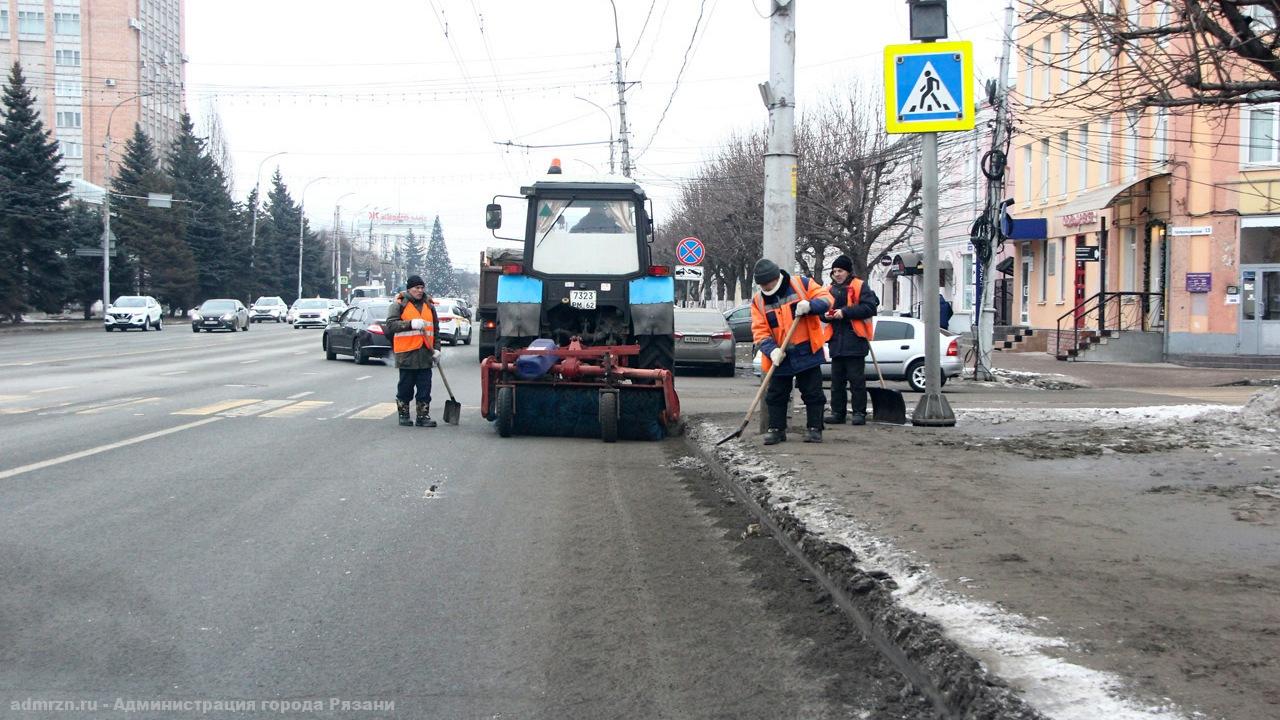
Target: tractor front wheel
x=506 y=411
x=609 y=416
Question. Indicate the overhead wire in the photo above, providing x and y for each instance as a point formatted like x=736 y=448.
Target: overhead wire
x=697 y=24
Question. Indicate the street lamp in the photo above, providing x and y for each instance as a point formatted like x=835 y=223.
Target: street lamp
x=106 y=203
x=302 y=217
x=337 y=243
x=610 y=119
x=257 y=182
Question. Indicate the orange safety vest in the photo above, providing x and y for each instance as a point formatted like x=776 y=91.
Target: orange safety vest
x=862 y=328
x=410 y=340
x=811 y=329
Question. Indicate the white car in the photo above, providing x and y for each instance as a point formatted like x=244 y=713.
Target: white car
x=899 y=348
x=311 y=312
x=455 y=323
x=268 y=309
x=133 y=311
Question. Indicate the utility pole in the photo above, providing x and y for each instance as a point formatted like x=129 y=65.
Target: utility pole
x=985 y=335
x=622 y=95
x=780 y=153
x=253 y=211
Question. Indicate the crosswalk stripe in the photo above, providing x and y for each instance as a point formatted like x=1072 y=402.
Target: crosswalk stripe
x=376 y=412
x=255 y=409
x=217 y=407
x=117 y=405
x=296 y=409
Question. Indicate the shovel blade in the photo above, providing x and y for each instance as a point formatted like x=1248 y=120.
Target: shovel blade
x=452 y=411
x=887 y=406
x=734 y=434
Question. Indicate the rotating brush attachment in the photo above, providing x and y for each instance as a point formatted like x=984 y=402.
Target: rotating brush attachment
x=560 y=411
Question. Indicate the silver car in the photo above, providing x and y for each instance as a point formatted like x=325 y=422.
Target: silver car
x=703 y=338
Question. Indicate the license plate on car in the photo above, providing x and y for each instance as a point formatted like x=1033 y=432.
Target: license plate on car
x=697 y=339
x=583 y=299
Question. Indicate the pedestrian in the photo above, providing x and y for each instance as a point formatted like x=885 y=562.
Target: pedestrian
x=782 y=298
x=414 y=327
x=944 y=312
x=853 y=307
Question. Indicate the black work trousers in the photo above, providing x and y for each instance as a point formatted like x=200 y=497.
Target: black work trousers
x=809 y=383
x=411 y=380
x=851 y=372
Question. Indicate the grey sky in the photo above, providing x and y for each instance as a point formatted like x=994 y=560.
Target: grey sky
x=375 y=97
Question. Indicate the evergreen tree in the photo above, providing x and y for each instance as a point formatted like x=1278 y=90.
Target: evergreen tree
x=441 y=280
x=33 y=223
x=413 y=257
x=207 y=222
x=84 y=274
x=164 y=265
x=277 y=257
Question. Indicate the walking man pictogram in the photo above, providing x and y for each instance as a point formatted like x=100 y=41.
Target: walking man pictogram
x=928 y=93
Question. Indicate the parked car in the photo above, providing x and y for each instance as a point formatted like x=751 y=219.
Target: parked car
x=268 y=309
x=703 y=338
x=311 y=312
x=463 y=303
x=220 y=314
x=455 y=322
x=739 y=320
x=133 y=311
x=358 y=332
x=899 y=347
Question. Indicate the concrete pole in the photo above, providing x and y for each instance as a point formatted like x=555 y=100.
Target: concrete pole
x=302 y=215
x=780 y=152
x=933 y=409
x=106 y=224
x=985 y=338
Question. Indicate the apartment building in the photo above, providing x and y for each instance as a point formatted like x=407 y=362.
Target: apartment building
x=1162 y=225
x=99 y=63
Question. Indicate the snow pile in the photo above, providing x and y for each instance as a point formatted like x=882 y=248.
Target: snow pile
x=1262 y=409
x=1094 y=417
x=1027 y=380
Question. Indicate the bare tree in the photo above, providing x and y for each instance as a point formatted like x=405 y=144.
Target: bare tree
x=216 y=139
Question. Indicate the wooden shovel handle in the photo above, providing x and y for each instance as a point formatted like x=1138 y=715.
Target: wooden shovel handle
x=795 y=323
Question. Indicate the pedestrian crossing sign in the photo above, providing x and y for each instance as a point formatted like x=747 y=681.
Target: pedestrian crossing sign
x=928 y=87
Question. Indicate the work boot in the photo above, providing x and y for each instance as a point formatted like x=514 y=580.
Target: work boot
x=775 y=436
x=859 y=419
x=402 y=409
x=424 y=416
x=813 y=435
x=834 y=419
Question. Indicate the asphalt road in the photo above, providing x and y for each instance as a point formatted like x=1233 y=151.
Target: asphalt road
x=231 y=517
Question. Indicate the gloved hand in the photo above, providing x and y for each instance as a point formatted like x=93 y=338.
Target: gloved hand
x=417 y=324
x=435 y=353
x=802 y=308
x=777 y=355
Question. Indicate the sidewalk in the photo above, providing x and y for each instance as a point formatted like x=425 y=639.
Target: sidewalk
x=1100 y=549
x=1104 y=375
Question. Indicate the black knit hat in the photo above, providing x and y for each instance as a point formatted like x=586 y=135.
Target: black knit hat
x=415 y=281
x=843 y=262
x=766 y=271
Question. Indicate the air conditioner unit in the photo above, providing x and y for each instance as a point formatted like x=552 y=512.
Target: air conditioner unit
x=110 y=82
x=135 y=24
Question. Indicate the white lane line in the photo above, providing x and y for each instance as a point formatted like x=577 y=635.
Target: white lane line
x=363 y=377
x=54 y=389
x=247 y=362
x=254 y=409
x=6 y=474
x=115 y=406
x=175 y=372
x=301 y=352
x=301 y=395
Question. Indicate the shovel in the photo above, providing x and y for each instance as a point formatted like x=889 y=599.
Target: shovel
x=887 y=406
x=452 y=408
x=765 y=383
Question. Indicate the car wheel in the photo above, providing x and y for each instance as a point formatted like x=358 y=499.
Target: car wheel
x=146 y=325
x=457 y=337
x=728 y=370
x=358 y=355
x=469 y=334
x=106 y=328
x=195 y=330
x=246 y=326
x=916 y=376
x=328 y=354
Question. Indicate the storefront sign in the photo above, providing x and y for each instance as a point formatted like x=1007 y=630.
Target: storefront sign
x=1088 y=253
x=1199 y=282
x=1087 y=217
x=1187 y=230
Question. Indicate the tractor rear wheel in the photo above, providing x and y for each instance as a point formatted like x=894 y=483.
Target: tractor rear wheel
x=506 y=411
x=656 y=352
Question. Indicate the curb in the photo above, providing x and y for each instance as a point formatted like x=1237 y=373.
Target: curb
x=957 y=684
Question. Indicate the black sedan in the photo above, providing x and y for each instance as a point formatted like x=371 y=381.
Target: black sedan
x=220 y=314
x=358 y=332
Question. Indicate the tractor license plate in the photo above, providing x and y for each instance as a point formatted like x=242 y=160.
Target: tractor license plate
x=583 y=299
x=697 y=339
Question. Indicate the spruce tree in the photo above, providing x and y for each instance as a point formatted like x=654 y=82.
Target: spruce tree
x=278 y=249
x=441 y=280
x=33 y=221
x=207 y=222
x=413 y=257
x=164 y=265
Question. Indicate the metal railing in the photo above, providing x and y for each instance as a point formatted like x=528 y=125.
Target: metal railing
x=1109 y=311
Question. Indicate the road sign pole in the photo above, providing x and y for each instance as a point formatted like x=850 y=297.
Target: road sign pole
x=933 y=409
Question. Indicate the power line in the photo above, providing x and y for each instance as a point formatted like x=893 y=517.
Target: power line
x=702 y=6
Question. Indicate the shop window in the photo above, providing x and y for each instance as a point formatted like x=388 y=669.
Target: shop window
x=970 y=282
x=1260 y=246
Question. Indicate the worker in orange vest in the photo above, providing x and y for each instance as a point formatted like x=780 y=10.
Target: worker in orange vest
x=851 y=322
x=414 y=328
x=782 y=298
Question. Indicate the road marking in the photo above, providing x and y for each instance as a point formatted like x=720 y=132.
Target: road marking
x=6 y=474
x=116 y=405
x=11 y=398
x=247 y=362
x=254 y=409
x=376 y=412
x=301 y=395
x=175 y=372
x=301 y=352
x=363 y=377
x=217 y=407
x=54 y=389
x=297 y=408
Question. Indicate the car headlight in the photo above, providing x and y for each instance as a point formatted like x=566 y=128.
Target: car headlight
x=229 y=316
